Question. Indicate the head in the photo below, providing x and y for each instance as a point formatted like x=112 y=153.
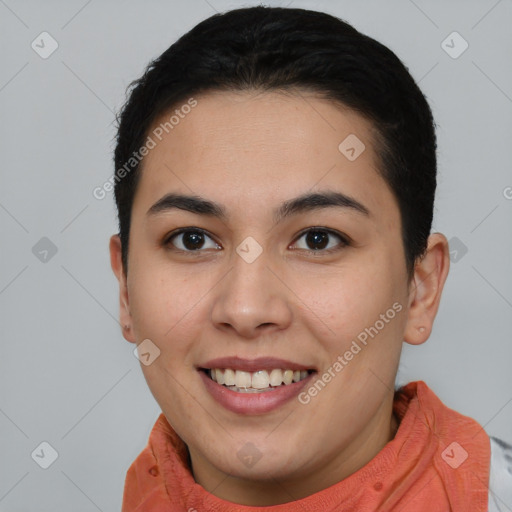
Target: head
x=277 y=201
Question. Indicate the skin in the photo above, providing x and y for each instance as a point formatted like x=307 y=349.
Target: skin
x=250 y=152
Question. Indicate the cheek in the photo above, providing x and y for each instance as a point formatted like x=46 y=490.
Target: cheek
x=359 y=303
x=165 y=310
x=159 y=301
x=349 y=299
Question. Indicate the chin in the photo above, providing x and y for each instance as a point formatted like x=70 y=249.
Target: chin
x=260 y=464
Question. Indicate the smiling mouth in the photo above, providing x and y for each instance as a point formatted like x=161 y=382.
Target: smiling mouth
x=260 y=381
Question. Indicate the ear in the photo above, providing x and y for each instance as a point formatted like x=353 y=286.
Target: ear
x=116 y=262
x=426 y=287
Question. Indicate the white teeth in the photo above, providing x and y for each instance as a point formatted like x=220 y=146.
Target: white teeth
x=229 y=377
x=288 y=376
x=219 y=376
x=276 y=377
x=242 y=379
x=259 y=380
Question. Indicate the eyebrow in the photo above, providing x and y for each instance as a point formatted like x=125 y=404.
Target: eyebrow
x=301 y=204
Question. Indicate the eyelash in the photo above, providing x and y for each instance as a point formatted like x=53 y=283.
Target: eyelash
x=345 y=241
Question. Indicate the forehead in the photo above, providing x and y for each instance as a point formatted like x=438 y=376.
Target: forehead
x=233 y=146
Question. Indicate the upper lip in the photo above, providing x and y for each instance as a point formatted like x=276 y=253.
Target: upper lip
x=253 y=365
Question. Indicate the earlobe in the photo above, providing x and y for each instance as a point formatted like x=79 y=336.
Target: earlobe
x=429 y=277
x=116 y=262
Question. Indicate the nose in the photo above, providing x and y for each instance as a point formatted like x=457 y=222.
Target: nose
x=252 y=299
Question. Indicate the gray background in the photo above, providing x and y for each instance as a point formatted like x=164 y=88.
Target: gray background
x=67 y=376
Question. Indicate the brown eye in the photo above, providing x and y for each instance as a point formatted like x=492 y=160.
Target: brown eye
x=190 y=240
x=319 y=240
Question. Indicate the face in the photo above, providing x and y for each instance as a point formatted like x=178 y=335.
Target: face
x=266 y=285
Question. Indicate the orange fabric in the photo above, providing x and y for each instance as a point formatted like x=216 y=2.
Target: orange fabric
x=420 y=470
